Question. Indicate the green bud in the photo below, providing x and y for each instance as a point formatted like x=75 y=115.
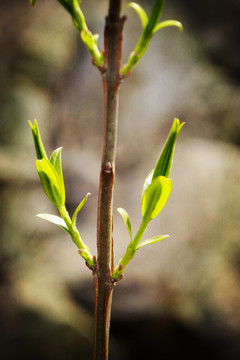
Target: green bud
x=49 y=171
x=40 y=151
x=164 y=163
x=157 y=185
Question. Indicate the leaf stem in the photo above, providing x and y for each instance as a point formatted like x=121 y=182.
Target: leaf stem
x=130 y=252
x=76 y=238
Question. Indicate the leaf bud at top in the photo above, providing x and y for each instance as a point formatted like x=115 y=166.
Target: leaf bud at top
x=40 y=151
x=164 y=163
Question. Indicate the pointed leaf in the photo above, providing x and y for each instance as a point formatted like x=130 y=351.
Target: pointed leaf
x=141 y=13
x=126 y=220
x=164 y=163
x=40 y=151
x=55 y=220
x=168 y=23
x=80 y=206
x=155 y=197
x=152 y=240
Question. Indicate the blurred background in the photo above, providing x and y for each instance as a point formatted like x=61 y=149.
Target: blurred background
x=179 y=297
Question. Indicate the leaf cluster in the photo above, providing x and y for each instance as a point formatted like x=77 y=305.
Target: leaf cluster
x=51 y=177
x=157 y=185
x=150 y=26
x=155 y=193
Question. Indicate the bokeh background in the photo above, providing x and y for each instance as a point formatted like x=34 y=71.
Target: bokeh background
x=179 y=297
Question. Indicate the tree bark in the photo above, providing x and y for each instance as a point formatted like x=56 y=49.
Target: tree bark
x=111 y=84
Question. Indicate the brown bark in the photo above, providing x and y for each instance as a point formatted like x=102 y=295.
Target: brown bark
x=111 y=84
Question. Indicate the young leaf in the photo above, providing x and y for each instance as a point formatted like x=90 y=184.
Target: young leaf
x=32 y=2
x=55 y=220
x=164 y=163
x=50 y=182
x=150 y=26
x=155 y=197
x=126 y=220
x=40 y=151
x=56 y=161
x=141 y=13
x=168 y=23
x=80 y=206
x=152 y=240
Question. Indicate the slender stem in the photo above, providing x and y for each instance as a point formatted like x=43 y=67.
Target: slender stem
x=130 y=252
x=76 y=238
x=111 y=82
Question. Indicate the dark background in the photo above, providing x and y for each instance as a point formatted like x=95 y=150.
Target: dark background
x=179 y=297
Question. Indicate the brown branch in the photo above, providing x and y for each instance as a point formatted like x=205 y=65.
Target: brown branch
x=111 y=83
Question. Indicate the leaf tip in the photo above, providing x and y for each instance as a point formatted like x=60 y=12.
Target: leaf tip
x=32 y=2
x=140 y=11
x=179 y=25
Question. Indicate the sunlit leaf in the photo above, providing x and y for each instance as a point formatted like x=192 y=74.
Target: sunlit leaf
x=164 y=163
x=152 y=240
x=56 y=161
x=40 y=151
x=155 y=197
x=126 y=220
x=50 y=182
x=55 y=220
